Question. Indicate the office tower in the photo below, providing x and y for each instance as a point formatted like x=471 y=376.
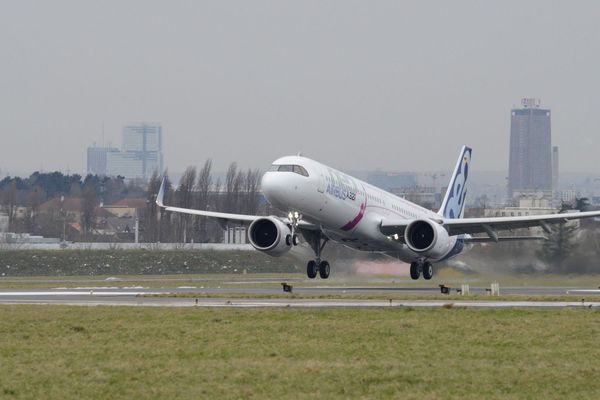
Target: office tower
x=141 y=152
x=530 y=163
x=96 y=159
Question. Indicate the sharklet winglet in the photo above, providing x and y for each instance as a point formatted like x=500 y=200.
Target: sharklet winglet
x=161 y=193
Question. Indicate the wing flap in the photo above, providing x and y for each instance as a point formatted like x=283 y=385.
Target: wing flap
x=486 y=239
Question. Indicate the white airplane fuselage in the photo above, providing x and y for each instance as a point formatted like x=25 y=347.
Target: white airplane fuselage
x=346 y=209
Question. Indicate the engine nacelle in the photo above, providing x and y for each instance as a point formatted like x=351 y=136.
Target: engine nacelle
x=428 y=238
x=269 y=235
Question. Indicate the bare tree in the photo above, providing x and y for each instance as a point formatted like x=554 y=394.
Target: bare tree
x=35 y=197
x=9 y=202
x=185 y=195
x=151 y=212
x=88 y=205
x=202 y=201
x=238 y=197
x=230 y=185
x=217 y=203
x=166 y=228
x=251 y=188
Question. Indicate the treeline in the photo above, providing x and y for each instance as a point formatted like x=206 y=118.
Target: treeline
x=51 y=204
x=239 y=193
x=21 y=199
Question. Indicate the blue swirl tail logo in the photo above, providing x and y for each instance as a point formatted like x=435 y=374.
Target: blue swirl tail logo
x=454 y=202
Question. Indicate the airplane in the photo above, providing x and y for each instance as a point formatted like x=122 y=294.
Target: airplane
x=324 y=204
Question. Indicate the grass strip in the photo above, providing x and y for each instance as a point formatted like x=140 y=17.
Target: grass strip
x=61 y=352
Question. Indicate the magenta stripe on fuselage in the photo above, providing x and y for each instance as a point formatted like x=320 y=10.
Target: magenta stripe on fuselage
x=350 y=225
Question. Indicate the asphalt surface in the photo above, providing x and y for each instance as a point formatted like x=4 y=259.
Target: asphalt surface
x=139 y=296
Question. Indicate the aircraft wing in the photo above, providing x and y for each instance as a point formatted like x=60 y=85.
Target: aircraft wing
x=490 y=226
x=238 y=218
x=391 y=227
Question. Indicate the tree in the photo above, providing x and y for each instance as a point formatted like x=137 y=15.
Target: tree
x=8 y=196
x=582 y=204
x=248 y=203
x=35 y=198
x=203 y=186
x=559 y=246
x=185 y=195
x=88 y=205
x=165 y=228
x=230 y=184
x=150 y=220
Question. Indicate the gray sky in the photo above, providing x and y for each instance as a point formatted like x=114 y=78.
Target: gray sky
x=393 y=84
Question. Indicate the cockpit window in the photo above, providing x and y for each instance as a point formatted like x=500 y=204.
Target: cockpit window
x=298 y=169
x=286 y=168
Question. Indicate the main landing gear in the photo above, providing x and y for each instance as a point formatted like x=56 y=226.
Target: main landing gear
x=322 y=268
x=418 y=267
x=317 y=242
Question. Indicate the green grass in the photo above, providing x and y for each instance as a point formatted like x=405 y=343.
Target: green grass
x=59 y=352
x=15 y=263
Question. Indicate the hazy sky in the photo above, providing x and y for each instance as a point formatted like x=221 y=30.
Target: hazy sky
x=392 y=84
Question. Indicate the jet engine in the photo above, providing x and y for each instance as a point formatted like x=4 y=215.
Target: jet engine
x=428 y=238
x=270 y=235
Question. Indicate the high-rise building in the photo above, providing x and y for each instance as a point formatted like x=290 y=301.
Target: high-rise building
x=96 y=159
x=530 y=163
x=141 y=152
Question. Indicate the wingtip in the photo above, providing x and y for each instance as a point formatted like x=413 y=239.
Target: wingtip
x=161 y=193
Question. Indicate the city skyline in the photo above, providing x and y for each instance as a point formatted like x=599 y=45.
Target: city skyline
x=139 y=157
x=395 y=86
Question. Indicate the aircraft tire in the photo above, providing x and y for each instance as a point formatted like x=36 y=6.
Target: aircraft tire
x=311 y=269
x=295 y=240
x=324 y=269
x=414 y=270
x=427 y=270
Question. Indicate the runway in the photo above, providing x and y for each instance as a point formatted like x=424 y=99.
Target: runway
x=139 y=296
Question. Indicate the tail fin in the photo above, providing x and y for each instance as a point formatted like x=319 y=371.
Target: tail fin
x=453 y=205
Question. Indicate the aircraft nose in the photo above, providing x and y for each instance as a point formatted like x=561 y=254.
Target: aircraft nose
x=270 y=185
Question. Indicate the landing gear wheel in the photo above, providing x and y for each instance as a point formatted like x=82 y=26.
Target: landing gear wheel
x=324 y=269
x=311 y=269
x=295 y=240
x=414 y=270
x=288 y=240
x=427 y=270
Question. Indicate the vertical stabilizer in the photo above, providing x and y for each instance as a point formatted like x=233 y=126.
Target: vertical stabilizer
x=453 y=205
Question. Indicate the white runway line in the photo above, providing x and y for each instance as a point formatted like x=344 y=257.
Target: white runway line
x=282 y=303
x=584 y=291
x=77 y=293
